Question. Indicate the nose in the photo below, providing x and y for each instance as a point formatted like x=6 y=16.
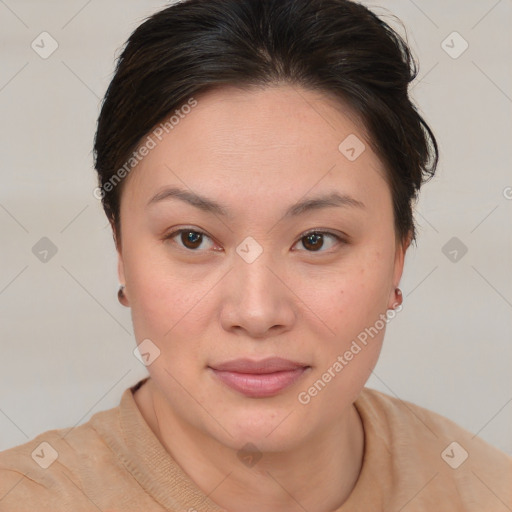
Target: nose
x=257 y=301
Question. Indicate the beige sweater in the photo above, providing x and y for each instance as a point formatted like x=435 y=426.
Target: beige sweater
x=415 y=460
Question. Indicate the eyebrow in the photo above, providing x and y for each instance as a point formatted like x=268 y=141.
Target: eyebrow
x=210 y=206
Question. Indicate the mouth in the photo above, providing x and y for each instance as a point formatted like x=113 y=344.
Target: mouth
x=259 y=379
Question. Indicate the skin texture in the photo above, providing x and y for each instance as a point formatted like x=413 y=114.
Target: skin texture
x=257 y=152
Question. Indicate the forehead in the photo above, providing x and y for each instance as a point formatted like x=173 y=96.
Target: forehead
x=253 y=116
x=254 y=141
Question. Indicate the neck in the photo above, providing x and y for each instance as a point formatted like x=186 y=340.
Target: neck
x=329 y=463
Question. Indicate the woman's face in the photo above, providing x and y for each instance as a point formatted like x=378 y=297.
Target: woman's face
x=244 y=280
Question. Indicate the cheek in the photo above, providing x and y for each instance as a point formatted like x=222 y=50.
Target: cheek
x=353 y=306
x=162 y=306
x=356 y=295
x=157 y=298
x=166 y=305
x=357 y=320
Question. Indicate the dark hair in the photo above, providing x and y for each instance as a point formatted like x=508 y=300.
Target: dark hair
x=337 y=47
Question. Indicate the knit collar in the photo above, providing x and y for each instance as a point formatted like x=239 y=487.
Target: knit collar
x=142 y=454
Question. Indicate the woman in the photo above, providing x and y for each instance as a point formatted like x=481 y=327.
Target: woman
x=258 y=162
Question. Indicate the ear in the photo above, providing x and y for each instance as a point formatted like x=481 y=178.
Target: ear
x=401 y=249
x=120 y=268
x=122 y=296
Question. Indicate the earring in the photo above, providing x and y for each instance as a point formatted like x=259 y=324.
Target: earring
x=398 y=292
x=121 y=296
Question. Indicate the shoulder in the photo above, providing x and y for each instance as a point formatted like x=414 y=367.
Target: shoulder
x=428 y=448
x=411 y=422
x=53 y=467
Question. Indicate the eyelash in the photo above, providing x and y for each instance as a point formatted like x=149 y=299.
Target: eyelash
x=338 y=238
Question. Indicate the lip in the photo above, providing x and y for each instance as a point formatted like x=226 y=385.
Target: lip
x=268 y=365
x=259 y=379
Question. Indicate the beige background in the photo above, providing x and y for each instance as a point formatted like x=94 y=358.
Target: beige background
x=65 y=342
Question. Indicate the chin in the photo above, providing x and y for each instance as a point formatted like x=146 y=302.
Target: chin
x=268 y=432
x=244 y=441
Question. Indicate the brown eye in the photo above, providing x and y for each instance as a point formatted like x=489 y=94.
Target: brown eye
x=188 y=238
x=315 y=240
x=191 y=239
